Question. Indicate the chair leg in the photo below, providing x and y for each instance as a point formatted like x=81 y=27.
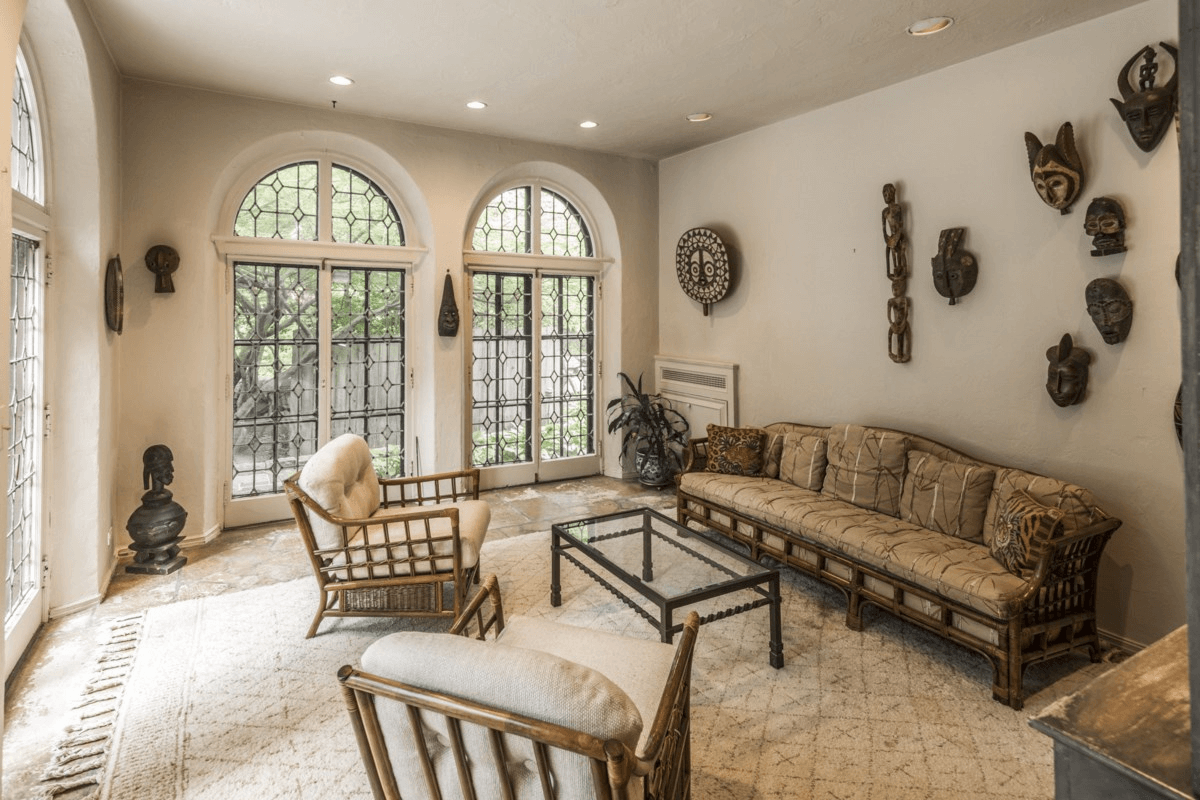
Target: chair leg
x=322 y=604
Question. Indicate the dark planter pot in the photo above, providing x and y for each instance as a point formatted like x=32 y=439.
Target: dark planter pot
x=651 y=470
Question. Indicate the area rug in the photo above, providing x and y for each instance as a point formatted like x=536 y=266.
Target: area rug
x=227 y=699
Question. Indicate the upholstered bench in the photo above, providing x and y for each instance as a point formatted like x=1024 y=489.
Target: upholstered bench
x=998 y=559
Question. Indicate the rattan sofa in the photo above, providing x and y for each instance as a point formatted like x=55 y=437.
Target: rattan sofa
x=918 y=529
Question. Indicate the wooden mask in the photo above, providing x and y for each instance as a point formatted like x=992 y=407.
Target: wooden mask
x=1149 y=109
x=1056 y=169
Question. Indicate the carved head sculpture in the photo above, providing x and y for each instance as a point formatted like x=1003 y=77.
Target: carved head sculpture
x=1067 y=377
x=448 y=314
x=954 y=270
x=1056 y=169
x=1110 y=308
x=1148 y=110
x=1105 y=223
x=157 y=467
x=162 y=260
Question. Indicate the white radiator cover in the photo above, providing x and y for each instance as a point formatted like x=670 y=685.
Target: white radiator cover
x=703 y=391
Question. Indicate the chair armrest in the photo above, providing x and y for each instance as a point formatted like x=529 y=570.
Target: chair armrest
x=667 y=742
x=484 y=609
x=695 y=456
x=441 y=487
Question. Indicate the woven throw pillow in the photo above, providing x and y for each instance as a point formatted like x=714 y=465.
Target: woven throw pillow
x=736 y=451
x=802 y=461
x=1022 y=531
x=866 y=467
x=946 y=497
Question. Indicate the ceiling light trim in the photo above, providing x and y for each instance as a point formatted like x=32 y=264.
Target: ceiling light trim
x=929 y=26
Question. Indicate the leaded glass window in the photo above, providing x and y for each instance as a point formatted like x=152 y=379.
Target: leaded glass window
x=563 y=230
x=508 y=225
x=502 y=368
x=26 y=166
x=283 y=205
x=362 y=212
x=24 y=417
x=568 y=370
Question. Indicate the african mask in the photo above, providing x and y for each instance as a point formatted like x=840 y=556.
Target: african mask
x=448 y=314
x=1067 y=377
x=1110 y=308
x=954 y=271
x=1149 y=109
x=1056 y=169
x=162 y=260
x=1105 y=223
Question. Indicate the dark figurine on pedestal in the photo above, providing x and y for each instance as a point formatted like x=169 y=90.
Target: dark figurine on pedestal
x=156 y=523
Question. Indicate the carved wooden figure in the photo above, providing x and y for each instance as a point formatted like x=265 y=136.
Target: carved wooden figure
x=448 y=314
x=1110 y=308
x=1067 y=375
x=896 y=259
x=1105 y=223
x=1148 y=110
x=1056 y=169
x=955 y=271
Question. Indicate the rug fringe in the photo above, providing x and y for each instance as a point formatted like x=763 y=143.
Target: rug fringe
x=81 y=755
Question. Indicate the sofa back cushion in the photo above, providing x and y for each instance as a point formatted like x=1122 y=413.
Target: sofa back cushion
x=946 y=497
x=736 y=451
x=1077 y=504
x=341 y=478
x=1022 y=531
x=802 y=460
x=866 y=467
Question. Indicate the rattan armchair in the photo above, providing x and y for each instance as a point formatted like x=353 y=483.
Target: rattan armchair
x=527 y=709
x=414 y=552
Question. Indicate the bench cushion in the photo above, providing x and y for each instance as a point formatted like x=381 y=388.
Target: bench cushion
x=802 y=460
x=946 y=497
x=473 y=519
x=866 y=467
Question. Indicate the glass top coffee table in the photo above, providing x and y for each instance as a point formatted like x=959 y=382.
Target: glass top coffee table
x=646 y=553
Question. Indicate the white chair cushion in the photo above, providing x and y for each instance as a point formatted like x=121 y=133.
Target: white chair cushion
x=527 y=682
x=342 y=480
x=639 y=666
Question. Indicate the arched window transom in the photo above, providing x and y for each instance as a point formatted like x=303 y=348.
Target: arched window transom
x=26 y=165
x=508 y=225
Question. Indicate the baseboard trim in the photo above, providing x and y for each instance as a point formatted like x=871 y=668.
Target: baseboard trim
x=1113 y=640
x=79 y=605
x=204 y=538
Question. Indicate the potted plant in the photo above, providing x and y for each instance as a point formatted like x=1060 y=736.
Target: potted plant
x=656 y=431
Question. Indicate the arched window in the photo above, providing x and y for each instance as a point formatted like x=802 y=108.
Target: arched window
x=318 y=331
x=30 y=227
x=533 y=324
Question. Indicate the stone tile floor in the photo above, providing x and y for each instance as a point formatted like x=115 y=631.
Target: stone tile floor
x=44 y=687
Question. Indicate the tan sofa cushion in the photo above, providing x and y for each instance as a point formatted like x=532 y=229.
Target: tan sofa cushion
x=802 y=460
x=945 y=497
x=473 y=519
x=866 y=467
x=523 y=681
x=1077 y=504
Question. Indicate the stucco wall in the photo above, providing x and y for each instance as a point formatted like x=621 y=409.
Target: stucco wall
x=800 y=204
x=181 y=150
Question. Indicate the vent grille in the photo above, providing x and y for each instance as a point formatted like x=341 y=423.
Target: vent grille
x=694 y=378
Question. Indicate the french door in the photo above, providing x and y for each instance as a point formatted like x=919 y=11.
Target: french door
x=25 y=601
x=318 y=350
x=535 y=412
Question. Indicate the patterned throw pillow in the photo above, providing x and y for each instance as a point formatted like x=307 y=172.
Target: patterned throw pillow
x=803 y=460
x=946 y=497
x=1022 y=530
x=736 y=451
x=866 y=467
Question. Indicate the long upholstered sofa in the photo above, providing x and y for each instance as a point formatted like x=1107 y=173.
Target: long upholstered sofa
x=998 y=559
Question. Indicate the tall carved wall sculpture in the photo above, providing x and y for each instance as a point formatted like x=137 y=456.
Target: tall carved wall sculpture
x=898 y=306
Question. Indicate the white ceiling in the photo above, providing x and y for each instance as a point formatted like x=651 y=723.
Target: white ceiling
x=636 y=67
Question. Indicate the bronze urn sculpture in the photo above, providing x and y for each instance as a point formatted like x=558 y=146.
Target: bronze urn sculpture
x=155 y=525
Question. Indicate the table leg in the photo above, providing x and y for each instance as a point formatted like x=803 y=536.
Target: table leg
x=555 y=586
x=776 y=625
x=665 y=626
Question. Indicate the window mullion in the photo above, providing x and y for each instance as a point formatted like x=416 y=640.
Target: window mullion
x=325 y=201
x=324 y=352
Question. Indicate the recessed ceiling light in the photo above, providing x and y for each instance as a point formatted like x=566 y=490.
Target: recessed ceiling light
x=341 y=80
x=587 y=123
x=924 y=27
x=476 y=104
x=701 y=117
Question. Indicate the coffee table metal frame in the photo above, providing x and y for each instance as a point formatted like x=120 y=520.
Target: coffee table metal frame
x=761 y=580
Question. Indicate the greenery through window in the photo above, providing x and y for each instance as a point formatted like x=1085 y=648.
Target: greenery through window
x=362 y=212
x=507 y=224
x=283 y=205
